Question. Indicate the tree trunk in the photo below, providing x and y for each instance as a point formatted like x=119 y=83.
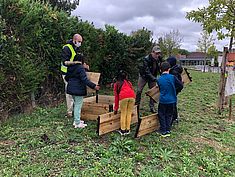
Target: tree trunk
x=222 y=81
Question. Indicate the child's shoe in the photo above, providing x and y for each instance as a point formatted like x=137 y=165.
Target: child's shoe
x=121 y=132
x=81 y=121
x=80 y=125
x=167 y=134
x=127 y=132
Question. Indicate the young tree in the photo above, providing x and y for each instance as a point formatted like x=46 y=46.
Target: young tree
x=170 y=43
x=204 y=43
x=213 y=52
x=219 y=16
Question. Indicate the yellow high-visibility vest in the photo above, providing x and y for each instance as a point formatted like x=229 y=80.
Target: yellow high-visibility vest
x=63 y=67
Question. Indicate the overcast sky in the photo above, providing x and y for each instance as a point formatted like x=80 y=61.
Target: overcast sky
x=159 y=16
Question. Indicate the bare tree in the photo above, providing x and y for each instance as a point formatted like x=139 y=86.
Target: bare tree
x=170 y=43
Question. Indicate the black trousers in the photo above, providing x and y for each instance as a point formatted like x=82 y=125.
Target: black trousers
x=165 y=114
x=175 y=113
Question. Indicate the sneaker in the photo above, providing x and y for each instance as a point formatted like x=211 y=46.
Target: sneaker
x=81 y=121
x=80 y=125
x=121 y=132
x=127 y=132
x=167 y=134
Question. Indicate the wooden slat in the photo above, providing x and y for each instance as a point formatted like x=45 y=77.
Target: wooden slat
x=147 y=125
x=106 y=99
x=110 y=122
x=91 y=111
x=88 y=116
x=93 y=77
x=153 y=93
x=89 y=99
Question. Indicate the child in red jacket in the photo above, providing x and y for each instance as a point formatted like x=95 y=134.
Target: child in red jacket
x=124 y=92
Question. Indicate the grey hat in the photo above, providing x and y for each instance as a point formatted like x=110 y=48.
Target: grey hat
x=156 y=49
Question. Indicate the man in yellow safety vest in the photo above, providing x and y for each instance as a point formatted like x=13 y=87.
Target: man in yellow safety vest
x=68 y=53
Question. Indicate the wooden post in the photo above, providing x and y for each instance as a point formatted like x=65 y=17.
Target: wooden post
x=96 y=96
x=230 y=108
x=222 y=81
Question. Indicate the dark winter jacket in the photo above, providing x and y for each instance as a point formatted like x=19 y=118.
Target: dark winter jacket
x=66 y=53
x=147 y=70
x=168 y=84
x=77 y=80
x=175 y=70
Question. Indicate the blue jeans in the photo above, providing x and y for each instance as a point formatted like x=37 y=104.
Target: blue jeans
x=78 y=101
x=165 y=114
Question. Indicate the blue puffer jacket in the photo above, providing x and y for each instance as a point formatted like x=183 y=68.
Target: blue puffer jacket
x=167 y=85
x=77 y=81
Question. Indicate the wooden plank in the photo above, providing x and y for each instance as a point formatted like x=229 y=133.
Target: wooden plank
x=106 y=99
x=88 y=116
x=154 y=92
x=147 y=124
x=95 y=108
x=186 y=79
x=93 y=77
x=89 y=99
x=110 y=122
x=91 y=111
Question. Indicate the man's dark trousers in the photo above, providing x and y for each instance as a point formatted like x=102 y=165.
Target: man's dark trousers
x=141 y=83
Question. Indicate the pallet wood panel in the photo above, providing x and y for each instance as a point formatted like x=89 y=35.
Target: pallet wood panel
x=110 y=122
x=147 y=124
x=93 y=77
x=105 y=99
x=89 y=99
x=91 y=111
x=154 y=92
x=186 y=76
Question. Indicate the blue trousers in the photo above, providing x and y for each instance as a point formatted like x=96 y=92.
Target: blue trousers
x=165 y=114
x=78 y=101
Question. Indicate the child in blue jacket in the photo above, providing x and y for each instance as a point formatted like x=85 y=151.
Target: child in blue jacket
x=77 y=82
x=168 y=84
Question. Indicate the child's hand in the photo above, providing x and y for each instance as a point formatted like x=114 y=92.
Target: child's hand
x=97 y=87
x=86 y=66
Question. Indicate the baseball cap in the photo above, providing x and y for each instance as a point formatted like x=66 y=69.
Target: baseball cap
x=156 y=49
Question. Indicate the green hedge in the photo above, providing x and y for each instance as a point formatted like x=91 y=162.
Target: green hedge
x=32 y=35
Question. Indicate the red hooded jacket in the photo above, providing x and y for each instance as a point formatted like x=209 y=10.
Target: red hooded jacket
x=126 y=91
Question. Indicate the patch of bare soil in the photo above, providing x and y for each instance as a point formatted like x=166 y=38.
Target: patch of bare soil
x=7 y=143
x=211 y=143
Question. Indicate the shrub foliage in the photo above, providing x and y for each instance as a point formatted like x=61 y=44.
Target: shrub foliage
x=31 y=37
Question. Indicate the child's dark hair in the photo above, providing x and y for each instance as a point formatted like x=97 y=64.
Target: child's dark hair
x=165 y=66
x=121 y=76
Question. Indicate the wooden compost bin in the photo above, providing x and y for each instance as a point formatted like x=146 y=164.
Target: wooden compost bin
x=96 y=105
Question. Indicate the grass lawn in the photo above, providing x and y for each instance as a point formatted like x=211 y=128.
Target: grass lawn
x=202 y=144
